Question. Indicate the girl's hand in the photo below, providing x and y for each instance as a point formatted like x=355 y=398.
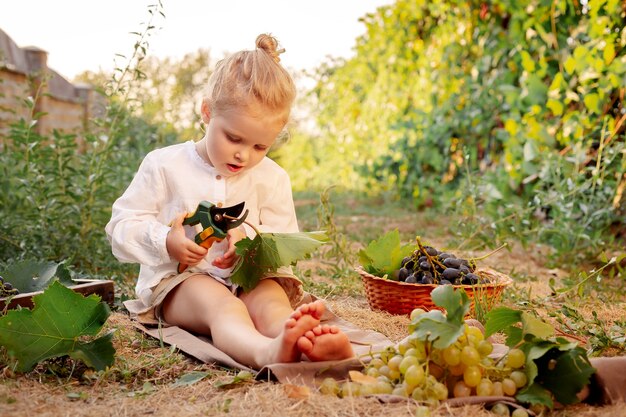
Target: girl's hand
x=180 y=247
x=228 y=259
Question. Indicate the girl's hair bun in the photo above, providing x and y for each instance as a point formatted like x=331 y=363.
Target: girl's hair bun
x=269 y=45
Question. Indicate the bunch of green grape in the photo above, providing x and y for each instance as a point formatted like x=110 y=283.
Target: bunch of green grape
x=416 y=369
x=7 y=289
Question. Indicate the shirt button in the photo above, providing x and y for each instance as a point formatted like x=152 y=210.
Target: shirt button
x=220 y=204
x=218 y=177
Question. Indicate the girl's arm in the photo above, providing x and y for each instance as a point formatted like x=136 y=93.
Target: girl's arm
x=135 y=231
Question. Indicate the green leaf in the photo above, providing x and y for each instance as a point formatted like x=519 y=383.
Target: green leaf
x=56 y=327
x=536 y=327
x=240 y=378
x=384 y=256
x=269 y=251
x=535 y=394
x=30 y=276
x=189 y=379
x=571 y=366
x=592 y=102
x=443 y=329
x=501 y=318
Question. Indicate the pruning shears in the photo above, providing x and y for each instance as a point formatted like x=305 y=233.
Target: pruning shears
x=215 y=221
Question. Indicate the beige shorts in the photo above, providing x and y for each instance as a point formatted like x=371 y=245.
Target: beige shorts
x=151 y=315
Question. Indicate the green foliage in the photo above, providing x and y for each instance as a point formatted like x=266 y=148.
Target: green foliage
x=31 y=276
x=57 y=326
x=383 y=256
x=439 y=328
x=555 y=367
x=268 y=251
x=523 y=101
x=57 y=191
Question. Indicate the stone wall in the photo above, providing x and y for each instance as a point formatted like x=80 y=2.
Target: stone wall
x=24 y=75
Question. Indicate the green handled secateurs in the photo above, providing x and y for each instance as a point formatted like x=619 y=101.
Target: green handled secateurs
x=215 y=221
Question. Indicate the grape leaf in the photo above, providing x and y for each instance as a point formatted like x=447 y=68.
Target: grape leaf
x=500 y=318
x=269 y=251
x=30 y=276
x=56 y=326
x=443 y=329
x=572 y=365
x=535 y=394
x=383 y=256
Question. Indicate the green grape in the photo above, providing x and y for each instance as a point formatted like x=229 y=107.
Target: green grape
x=420 y=354
x=403 y=347
x=497 y=389
x=394 y=362
x=461 y=390
x=519 y=377
x=422 y=410
x=519 y=412
x=329 y=386
x=367 y=389
x=373 y=372
x=470 y=356
x=400 y=390
x=376 y=363
x=508 y=387
x=419 y=394
x=500 y=409
x=452 y=355
x=394 y=374
x=515 y=358
x=440 y=391
x=475 y=332
x=484 y=348
x=350 y=389
x=383 y=387
x=406 y=362
x=484 y=387
x=416 y=313
x=384 y=370
x=414 y=376
x=472 y=376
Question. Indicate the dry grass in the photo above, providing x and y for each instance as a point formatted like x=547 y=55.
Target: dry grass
x=141 y=380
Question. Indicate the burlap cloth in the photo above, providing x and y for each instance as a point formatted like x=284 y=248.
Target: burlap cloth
x=608 y=384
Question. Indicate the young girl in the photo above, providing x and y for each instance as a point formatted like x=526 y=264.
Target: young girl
x=248 y=104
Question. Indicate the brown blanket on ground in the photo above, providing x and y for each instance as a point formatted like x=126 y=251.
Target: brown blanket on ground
x=301 y=373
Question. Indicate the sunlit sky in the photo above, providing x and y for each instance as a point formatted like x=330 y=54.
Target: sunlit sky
x=85 y=35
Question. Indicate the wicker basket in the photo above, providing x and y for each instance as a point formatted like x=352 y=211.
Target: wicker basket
x=401 y=298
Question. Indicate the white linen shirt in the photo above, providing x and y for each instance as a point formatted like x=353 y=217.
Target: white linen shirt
x=173 y=180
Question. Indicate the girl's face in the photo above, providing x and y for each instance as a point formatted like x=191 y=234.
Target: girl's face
x=235 y=140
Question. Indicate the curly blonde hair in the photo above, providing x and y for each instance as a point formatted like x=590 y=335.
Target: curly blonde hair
x=251 y=79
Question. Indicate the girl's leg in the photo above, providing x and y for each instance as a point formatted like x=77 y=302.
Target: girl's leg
x=268 y=306
x=202 y=305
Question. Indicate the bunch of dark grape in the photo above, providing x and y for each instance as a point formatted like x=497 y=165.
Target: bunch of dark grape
x=428 y=265
x=6 y=288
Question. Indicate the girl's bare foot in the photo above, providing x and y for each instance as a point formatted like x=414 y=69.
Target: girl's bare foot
x=325 y=343
x=305 y=318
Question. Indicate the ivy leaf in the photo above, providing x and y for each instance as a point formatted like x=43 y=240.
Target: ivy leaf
x=56 y=327
x=443 y=329
x=269 y=251
x=383 y=256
